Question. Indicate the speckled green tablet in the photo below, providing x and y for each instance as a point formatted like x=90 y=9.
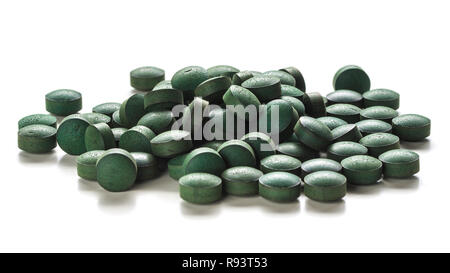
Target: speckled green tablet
x=351 y=77
x=116 y=122
x=187 y=79
x=289 y=90
x=117 y=133
x=241 y=77
x=400 y=163
x=411 y=127
x=320 y=164
x=137 y=139
x=265 y=88
x=70 y=134
x=107 y=108
x=241 y=181
x=86 y=164
x=313 y=133
x=44 y=119
x=99 y=137
x=285 y=78
x=325 y=186
x=348 y=112
x=382 y=97
x=171 y=143
x=379 y=143
x=215 y=144
x=37 y=138
x=237 y=153
x=261 y=143
x=362 y=169
x=63 y=102
x=296 y=103
x=371 y=126
x=158 y=122
x=297 y=150
x=347 y=132
x=287 y=117
x=237 y=95
x=281 y=163
x=279 y=187
x=175 y=166
x=332 y=122
x=163 y=99
x=213 y=89
x=379 y=112
x=147 y=166
x=204 y=160
x=146 y=77
x=200 y=188
x=343 y=149
x=299 y=80
x=116 y=170
x=95 y=118
x=132 y=109
x=314 y=104
x=345 y=96
x=222 y=70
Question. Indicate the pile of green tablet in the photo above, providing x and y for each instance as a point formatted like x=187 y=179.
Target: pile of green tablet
x=352 y=135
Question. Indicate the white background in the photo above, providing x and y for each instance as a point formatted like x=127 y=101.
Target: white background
x=91 y=46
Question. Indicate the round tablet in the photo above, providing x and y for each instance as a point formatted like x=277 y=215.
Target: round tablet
x=281 y=163
x=147 y=166
x=146 y=77
x=241 y=77
x=325 y=186
x=162 y=99
x=261 y=143
x=278 y=118
x=379 y=112
x=204 y=160
x=381 y=97
x=279 y=186
x=313 y=133
x=137 y=139
x=348 y=132
x=237 y=95
x=297 y=150
x=347 y=112
x=116 y=122
x=362 y=169
x=314 y=104
x=299 y=80
x=351 y=77
x=343 y=149
x=116 y=170
x=107 y=108
x=166 y=84
x=117 y=133
x=241 y=181
x=222 y=70
x=187 y=79
x=95 y=118
x=215 y=144
x=411 y=127
x=400 y=163
x=296 y=103
x=99 y=137
x=132 y=109
x=86 y=164
x=237 y=153
x=213 y=89
x=320 y=164
x=171 y=143
x=63 y=102
x=265 y=88
x=175 y=166
x=44 y=119
x=70 y=134
x=200 y=188
x=345 y=96
x=370 y=126
x=285 y=78
x=332 y=122
x=379 y=143
x=158 y=122
x=37 y=138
